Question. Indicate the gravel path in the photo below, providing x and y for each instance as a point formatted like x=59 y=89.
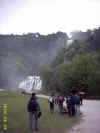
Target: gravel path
x=91 y=118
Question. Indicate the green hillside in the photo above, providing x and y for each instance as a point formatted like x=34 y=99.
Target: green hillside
x=63 y=63
x=77 y=66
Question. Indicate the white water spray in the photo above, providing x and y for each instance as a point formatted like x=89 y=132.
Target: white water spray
x=31 y=84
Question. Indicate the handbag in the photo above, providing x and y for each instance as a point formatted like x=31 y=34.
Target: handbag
x=39 y=114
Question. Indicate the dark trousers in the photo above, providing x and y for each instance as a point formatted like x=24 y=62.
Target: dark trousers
x=81 y=101
x=71 y=110
x=51 y=107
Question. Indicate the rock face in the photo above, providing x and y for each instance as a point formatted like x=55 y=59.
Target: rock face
x=21 y=55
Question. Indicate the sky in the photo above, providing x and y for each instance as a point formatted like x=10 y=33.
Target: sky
x=48 y=16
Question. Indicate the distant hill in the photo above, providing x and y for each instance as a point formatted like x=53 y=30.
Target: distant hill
x=77 y=65
x=80 y=43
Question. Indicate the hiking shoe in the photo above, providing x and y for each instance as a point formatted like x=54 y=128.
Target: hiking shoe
x=36 y=129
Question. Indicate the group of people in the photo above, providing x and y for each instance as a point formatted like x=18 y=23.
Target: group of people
x=67 y=104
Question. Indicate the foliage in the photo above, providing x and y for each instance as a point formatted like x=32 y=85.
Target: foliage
x=81 y=74
x=62 y=67
x=77 y=66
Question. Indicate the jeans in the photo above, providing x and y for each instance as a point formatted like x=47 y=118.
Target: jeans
x=78 y=109
x=61 y=108
x=33 y=116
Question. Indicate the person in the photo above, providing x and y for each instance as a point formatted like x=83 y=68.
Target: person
x=77 y=103
x=33 y=107
x=65 y=110
x=52 y=100
x=81 y=99
x=56 y=100
x=73 y=104
x=69 y=104
x=60 y=103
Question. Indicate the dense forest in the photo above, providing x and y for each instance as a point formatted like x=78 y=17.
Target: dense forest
x=77 y=66
x=63 y=63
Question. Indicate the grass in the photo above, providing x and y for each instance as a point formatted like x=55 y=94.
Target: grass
x=18 y=115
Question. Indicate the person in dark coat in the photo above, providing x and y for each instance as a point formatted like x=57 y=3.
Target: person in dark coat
x=71 y=101
x=73 y=104
x=81 y=99
x=33 y=107
x=78 y=103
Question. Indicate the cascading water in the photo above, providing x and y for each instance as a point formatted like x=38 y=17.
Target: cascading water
x=31 y=84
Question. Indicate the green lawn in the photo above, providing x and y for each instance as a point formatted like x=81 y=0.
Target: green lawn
x=18 y=115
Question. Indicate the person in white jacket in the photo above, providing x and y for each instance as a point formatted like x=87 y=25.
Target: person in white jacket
x=52 y=101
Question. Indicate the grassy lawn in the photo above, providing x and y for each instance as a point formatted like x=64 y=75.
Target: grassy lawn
x=18 y=115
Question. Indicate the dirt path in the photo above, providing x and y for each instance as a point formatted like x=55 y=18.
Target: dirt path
x=2 y=90
x=42 y=96
x=91 y=118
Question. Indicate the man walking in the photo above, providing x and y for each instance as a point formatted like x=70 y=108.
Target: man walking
x=52 y=100
x=60 y=103
x=73 y=103
x=69 y=104
x=77 y=103
x=33 y=108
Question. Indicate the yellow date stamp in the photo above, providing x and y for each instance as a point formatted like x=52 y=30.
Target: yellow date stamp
x=3 y=117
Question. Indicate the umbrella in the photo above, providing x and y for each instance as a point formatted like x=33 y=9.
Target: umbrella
x=82 y=93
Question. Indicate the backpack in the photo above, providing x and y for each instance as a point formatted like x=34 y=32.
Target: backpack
x=32 y=106
x=39 y=114
x=51 y=99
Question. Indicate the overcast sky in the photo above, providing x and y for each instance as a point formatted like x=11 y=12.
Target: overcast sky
x=48 y=16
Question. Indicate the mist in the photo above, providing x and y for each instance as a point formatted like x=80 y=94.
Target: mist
x=22 y=55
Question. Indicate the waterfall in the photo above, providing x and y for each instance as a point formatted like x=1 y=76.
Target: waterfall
x=31 y=84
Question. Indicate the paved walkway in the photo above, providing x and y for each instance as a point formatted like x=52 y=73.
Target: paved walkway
x=90 y=122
